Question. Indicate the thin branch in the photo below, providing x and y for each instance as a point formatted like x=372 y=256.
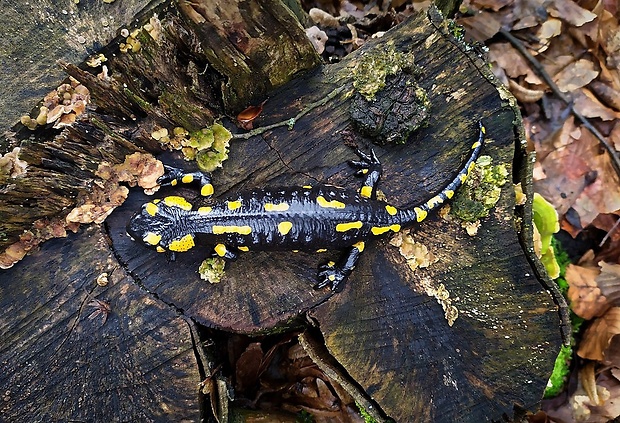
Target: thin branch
x=538 y=68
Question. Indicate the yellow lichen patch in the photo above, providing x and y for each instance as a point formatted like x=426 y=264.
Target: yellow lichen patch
x=471 y=167
x=206 y=190
x=366 y=191
x=243 y=248
x=152 y=238
x=151 y=209
x=187 y=179
x=360 y=246
x=176 y=201
x=276 y=207
x=205 y=210
x=232 y=229
x=182 y=244
x=321 y=250
x=220 y=250
x=343 y=227
x=391 y=210
x=420 y=214
x=379 y=230
x=284 y=227
x=329 y=204
x=233 y=205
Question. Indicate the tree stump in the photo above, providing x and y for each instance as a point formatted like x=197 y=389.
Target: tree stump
x=463 y=339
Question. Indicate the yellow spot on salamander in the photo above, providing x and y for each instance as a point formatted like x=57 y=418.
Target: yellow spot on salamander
x=176 y=201
x=234 y=205
x=332 y=204
x=366 y=191
x=204 y=210
x=483 y=129
x=284 y=227
x=242 y=230
x=295 y=251
x=243 y=248
x=321 y=250
x=391 y=210
x=174 y=182
x=276 y=207
x=331 y=263
x=476 y=145
x=379 y=230
x=187 y=179
x=463 y=177
x=206 y=190
x=220 y=250
x=332 y=277
x=420 y=214
x=449 y=193
x=343 y=227
x=360 y=246
x=433 y=202
x=182 y=244
x=151 y=209
x=307 y=186
x=151 y=238
x=160 y=249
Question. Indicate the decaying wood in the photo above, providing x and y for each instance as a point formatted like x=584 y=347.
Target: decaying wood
x=388 y=329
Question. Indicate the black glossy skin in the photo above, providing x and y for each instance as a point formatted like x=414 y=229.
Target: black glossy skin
x=290 y=218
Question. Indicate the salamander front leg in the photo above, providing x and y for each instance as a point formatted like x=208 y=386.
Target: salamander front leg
x=370 y=168
x=220 y=250
x=174 y=175
x=334 y=274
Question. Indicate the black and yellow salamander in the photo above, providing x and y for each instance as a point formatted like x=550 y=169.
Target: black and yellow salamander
x=292 y=218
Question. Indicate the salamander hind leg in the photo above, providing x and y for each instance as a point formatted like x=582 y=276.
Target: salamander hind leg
x=334 y=274
x=368 y=167
x=174 y=175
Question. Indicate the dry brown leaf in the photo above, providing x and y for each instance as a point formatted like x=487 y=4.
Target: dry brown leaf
x=575 y=75
x=524 y=95
x=597 y=337
x=609 y=282
x=482 y=26
x=585 y=297
x=603 y=194
x=509 y=59
x=570 y=12
x=607 y=94
x=588 y=105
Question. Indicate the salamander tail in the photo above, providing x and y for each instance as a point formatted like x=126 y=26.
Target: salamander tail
x=419 y=213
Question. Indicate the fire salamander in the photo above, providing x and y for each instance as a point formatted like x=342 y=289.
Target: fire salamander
x=292 y=218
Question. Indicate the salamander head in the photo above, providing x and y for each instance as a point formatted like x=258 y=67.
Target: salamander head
x=159 y=225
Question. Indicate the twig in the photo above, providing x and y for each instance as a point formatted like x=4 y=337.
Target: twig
x=538 y=68
x=291 y=122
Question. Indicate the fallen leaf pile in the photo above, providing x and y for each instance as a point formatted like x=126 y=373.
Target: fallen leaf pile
x=574 y=76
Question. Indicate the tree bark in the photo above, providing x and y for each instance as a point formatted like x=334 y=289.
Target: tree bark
x=389 y=330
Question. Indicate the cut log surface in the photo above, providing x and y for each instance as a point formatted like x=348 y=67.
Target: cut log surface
x=388 y=329
x=62 y=360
